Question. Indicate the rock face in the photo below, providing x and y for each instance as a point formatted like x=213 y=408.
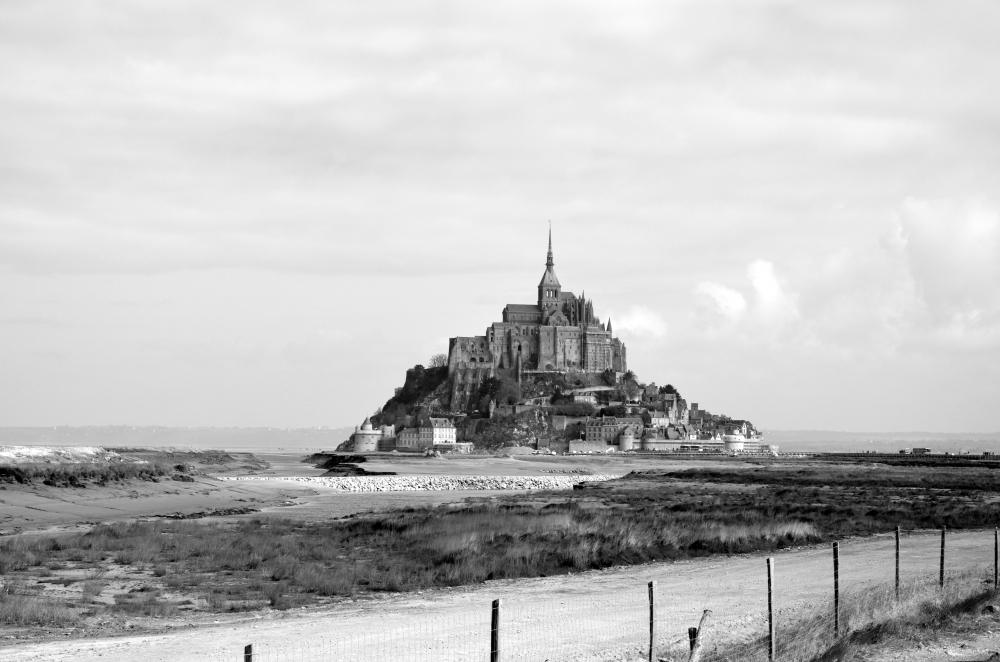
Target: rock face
x=434 y=483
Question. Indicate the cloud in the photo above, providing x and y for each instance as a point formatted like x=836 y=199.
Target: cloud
x=930 y=282
x=725 y=301
x=640 y=321
x=773 y=305
x=768 y=305
x=951 y=250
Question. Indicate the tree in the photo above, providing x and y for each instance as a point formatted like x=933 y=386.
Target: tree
x=669 y=389
x=439 y=361
x=608 y=377
x=557 y=397
x=631 y=390
x=628 y=376
x=575 y=431
x=503 y=391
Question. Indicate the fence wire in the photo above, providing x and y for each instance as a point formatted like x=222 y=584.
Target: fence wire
x=801 y=596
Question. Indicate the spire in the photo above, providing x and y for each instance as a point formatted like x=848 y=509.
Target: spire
x=548 y=259
x=549 y=288
x=609 y=325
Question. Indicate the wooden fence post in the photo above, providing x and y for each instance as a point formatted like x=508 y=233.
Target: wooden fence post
x=836 y=589
x=699 y=640
x=897 y=564
x=996 y=558
x=248 y=653
x=692 y=636
x=495 y=633
x=770 y=610
x=941 y=579
x=652 y=618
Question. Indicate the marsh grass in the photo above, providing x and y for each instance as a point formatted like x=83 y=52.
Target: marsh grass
x=656 y=518
x=91 y=589
x=19 y=606
x=143 y=602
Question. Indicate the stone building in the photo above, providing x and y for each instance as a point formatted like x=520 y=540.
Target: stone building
x=368 y=440
x=559 y=333
x=440 y=432
x=608 y=429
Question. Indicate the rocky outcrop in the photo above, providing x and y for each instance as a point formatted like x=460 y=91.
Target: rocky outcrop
x=434 y=483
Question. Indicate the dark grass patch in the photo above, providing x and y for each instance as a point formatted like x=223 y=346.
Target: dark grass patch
x=80 y=475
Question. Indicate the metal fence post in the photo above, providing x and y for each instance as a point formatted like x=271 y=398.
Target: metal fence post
x=897 y=564
x=248 y=653
x=941 y=579
x=770 y=610
x=836 y=589
x=652 y=617
x=495 y=633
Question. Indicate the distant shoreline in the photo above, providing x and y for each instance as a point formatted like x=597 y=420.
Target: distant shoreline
x=305 y=440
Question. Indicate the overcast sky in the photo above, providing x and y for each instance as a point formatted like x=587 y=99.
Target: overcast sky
x=261 y=214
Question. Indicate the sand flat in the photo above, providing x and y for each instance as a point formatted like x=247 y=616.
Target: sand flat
x=40 y=507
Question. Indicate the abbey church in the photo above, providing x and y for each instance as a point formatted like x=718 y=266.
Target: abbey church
x=560 y=333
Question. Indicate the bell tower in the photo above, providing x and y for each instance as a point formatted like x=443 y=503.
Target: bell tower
x=549 y=289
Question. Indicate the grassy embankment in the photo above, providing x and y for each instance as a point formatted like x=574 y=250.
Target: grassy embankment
x=282 y=563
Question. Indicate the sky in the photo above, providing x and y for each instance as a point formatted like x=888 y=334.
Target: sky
x=261 y=214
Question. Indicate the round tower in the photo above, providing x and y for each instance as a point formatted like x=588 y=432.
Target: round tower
x=366 y=438
x=626 y=441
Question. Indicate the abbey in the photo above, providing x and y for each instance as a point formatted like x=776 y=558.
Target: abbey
x=560 y=333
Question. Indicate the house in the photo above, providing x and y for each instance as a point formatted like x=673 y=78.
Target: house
x=442 y=431
x=438 y=431
x=606 y=429
x=659 y=419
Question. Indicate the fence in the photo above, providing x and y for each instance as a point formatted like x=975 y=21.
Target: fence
x=786 y=608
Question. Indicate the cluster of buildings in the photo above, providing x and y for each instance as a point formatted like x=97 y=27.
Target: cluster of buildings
x=438 y=434
x=560 y=334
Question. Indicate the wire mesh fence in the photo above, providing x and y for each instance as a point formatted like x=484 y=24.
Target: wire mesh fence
x=789 y=607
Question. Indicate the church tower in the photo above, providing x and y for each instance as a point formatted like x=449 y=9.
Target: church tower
x=549 y=289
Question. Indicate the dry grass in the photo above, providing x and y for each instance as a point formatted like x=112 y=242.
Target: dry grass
x=868 y=617
x=18 y=606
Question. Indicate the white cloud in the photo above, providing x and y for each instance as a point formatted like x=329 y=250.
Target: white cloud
x=640 y=321
x=725 y=301
x=773 y=304
x=951 y=250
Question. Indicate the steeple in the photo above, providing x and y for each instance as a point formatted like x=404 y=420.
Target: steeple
x=548 y=259
x=549 y=288
x=609 y=325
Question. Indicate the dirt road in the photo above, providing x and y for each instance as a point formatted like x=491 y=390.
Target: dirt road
x=601 y=615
